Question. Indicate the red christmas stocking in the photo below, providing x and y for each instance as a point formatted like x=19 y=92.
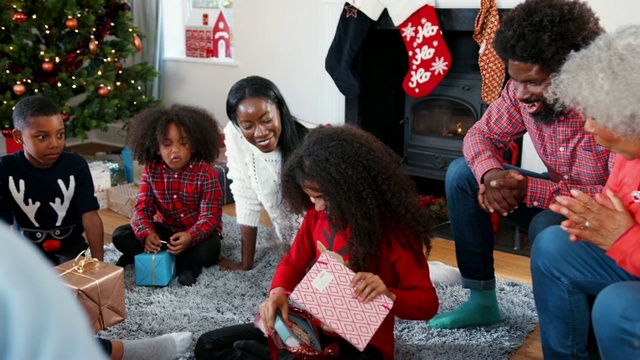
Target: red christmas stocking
x=429 y=57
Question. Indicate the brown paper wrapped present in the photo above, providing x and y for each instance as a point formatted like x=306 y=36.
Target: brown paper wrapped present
x=99 y=287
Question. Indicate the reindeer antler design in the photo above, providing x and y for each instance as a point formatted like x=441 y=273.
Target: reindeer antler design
x=29 y=207
x=61 y=206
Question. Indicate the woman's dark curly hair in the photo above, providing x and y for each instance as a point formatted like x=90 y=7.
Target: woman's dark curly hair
x=258 y=87
x=366 y=190
x=545 y=32
x=149 y=127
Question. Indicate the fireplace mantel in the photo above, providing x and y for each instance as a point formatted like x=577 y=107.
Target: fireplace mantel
x=457 y=4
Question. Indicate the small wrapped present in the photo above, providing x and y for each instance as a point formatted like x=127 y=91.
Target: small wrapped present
x=326 y=293
x=100 y=288
x=122 y=199
x=101 y=181
x=157 y=269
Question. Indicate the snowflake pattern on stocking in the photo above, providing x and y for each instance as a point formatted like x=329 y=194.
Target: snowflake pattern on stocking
x=429 y=58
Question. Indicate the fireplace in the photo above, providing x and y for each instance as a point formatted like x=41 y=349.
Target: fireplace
x=427 y=132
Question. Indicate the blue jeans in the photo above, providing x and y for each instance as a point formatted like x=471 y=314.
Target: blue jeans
x=564 y=273
x=471 y=226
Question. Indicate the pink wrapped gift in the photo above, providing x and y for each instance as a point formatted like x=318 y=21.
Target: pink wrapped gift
x=326 y=293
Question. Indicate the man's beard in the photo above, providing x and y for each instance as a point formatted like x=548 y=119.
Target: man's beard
x=548 y=114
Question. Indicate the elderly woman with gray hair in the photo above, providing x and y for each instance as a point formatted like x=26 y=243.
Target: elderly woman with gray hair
x=596 y=251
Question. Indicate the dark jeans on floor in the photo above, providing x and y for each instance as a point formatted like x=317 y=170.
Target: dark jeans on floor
x=205 y=254
x=472 y=229
x=245 y=341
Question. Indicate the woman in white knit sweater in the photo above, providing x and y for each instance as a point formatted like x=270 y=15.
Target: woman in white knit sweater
x=259 y=137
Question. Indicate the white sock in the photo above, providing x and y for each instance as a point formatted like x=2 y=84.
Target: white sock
x=442 y=273
x=166 y=347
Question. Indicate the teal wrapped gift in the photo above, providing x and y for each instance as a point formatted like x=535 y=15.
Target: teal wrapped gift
x=155 y=269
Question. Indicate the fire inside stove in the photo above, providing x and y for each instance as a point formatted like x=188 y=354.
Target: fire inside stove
x=435 y=117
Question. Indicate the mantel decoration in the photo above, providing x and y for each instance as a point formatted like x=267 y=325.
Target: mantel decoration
x=75 y=55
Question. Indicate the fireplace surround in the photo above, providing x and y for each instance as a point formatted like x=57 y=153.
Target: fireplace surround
x=427 y=132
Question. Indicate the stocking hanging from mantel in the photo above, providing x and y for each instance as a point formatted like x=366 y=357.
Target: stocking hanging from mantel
x=354 y=23
x=492 y=67
x=429 y=57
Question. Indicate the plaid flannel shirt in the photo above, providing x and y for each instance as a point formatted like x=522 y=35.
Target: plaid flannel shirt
x=189 y=200
x=573 y=158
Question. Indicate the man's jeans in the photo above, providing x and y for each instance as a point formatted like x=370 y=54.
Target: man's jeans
x=471 y=226
x=563 y=274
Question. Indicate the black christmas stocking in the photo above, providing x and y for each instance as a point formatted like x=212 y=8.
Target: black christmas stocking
x=353 y=26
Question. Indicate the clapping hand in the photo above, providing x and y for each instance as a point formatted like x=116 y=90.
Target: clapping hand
x=599 y=220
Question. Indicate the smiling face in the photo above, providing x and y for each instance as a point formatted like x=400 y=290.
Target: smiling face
x=175 y=148
x=43 y=140
x=629 y=149
x=530 y=83
x=259 y=122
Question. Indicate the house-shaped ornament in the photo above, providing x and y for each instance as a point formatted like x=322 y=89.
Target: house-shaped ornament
x=208 y=34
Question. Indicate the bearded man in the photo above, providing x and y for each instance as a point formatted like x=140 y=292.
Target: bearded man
x=534 y=40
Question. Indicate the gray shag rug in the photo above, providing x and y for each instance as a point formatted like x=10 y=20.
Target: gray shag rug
x=221 y=298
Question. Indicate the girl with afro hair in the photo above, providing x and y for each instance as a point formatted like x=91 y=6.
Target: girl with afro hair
x=179 y=204
x=363 y=209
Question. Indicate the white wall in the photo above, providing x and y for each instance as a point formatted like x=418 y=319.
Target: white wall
x=287 y=41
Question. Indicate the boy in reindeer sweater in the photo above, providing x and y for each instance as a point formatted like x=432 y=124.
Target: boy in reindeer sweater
x=45 y=192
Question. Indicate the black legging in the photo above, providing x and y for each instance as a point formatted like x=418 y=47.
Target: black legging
x=245 y=341
x=194 y=258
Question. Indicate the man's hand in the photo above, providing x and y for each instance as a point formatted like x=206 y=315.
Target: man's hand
x=503 y=190
x=179 y=242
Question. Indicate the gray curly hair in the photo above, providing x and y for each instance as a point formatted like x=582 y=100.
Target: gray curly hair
x=602 y=81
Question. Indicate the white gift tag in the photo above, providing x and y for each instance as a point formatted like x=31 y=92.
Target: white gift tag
x=322 y=280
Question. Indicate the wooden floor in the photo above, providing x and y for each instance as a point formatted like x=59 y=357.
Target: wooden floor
x=509 y=266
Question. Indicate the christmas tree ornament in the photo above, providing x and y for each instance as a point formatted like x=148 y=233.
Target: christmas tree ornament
x=353 y=25
x=492 y=68
x=93 y=46
x=429 y=57
x=71 y=23
x=47 y=66
x=103 y=91
x=19 y=88
x=118 y=66
x=65 y=116
x=7 y=132
x=19 y=17
x=137 y=43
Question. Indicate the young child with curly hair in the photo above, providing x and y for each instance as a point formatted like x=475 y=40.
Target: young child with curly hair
x=362 y=207
x=180 y=198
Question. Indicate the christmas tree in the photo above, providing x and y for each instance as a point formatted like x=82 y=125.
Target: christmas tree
x=75 y=52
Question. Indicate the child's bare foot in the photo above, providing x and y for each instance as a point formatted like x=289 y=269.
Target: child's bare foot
x=228 y=265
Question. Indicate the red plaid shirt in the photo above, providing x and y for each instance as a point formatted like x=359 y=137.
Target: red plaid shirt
x=189 y=200
x=573 y=158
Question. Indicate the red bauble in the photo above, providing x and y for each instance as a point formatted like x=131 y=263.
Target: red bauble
x=118 y=66
x=103 y=91
x=47 y=66
x=137 y=43
x=65 y=116
x=19 y=17
x=93 y=46
x=19 y=89
x=8 y=133
x=71 y=23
